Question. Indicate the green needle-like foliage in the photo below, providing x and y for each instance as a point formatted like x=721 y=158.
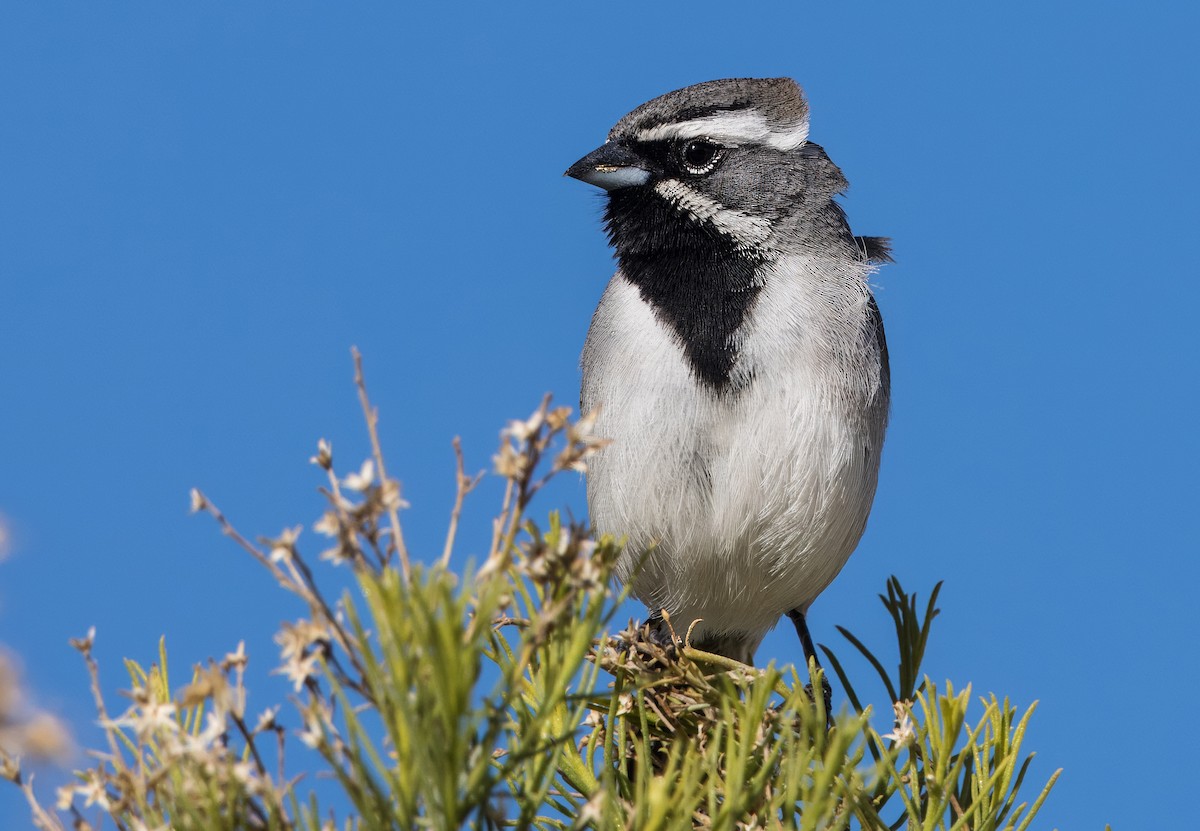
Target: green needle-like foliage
x=499 y=696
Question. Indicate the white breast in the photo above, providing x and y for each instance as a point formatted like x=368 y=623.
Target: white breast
x=738 y=506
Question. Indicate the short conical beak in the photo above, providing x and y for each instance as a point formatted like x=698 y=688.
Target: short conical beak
x=610 y=166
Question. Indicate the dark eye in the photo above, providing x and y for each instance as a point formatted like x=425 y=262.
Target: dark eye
x=700 y=155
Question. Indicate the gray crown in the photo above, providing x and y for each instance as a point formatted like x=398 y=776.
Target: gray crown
x=779 y=101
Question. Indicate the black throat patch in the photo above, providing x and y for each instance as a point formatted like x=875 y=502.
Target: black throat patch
x=698 y=281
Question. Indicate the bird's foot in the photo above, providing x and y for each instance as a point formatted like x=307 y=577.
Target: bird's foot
x=659 y=632
x=654 y=635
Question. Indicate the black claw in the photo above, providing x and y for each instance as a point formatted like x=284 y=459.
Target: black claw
x=658 y=631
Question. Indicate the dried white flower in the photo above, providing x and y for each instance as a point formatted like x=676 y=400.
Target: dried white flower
x=318 y=722
x=266 y=721
x=592 y=811
x=508 y=462
x=329 y=524
x=362 y=480
x=300 y=662
x=310 y=736
x=284 y=548
x=244 y=773
x=299 y=669
x=150 y=719
x=324 y=457
x=199 y=501
x=904 y=730
x=295 y=638
x=201 y=744
x=390 y=498
x=336 y=555
x=85 y=643
x=237 y=658
x=10 y=768
x=214 y=726
x=93 y=791
x=522 y=430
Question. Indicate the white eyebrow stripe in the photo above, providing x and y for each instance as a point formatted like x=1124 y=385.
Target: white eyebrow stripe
x=749 y=231
x=735 y=127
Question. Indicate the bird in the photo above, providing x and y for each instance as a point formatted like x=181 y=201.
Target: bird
x=736 y=362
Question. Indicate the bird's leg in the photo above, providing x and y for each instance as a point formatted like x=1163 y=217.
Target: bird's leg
x=810 y=654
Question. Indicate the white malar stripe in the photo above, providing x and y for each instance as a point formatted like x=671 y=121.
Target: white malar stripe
x=734 y=127
x=749 y=231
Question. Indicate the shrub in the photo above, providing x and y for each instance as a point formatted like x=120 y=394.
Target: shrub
x=497 y=698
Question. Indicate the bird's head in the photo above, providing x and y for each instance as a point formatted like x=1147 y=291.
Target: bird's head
x=728 y=158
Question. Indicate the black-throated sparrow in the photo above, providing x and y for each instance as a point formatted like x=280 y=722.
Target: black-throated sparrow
x=738 y=358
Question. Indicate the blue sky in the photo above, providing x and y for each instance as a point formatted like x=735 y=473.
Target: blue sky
x=202 y=208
